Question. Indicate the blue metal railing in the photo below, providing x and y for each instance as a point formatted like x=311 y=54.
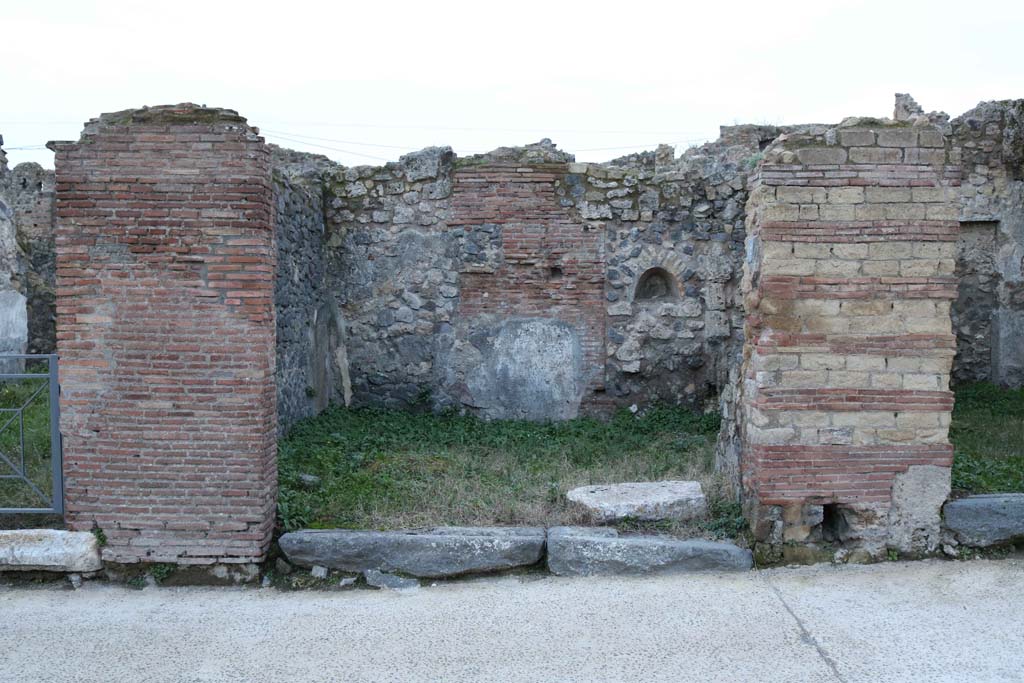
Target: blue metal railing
x=15 y=454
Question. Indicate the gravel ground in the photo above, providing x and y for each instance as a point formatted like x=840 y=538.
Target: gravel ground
x=918 y=621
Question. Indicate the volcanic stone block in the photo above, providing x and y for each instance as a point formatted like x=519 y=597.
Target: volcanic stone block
x=582 y=551
x=986 y=520
x=435 y=553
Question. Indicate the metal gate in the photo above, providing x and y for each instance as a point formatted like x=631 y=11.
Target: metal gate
x=31 y=478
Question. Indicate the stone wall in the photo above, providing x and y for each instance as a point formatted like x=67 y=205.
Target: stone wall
x=391 y=268
x=312 y=369
x=680 y=220
x=165 y=274
x=472 y=283
x=26 y=270
x=30 y=193
x=521 y=284
x=843 y=400
x=989 y=312
x=391 y=265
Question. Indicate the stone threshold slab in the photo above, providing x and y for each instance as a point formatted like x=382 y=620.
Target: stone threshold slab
x=456 y=551
x=434 y=553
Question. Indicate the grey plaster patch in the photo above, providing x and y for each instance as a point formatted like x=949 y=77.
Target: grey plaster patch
x=1007 y=348
x=13 y=328
x=529 y=369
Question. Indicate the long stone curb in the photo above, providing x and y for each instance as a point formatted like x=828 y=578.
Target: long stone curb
x=435 y=553
x=456 y=551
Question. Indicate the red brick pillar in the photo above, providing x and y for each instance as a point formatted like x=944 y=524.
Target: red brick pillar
x=165 y=331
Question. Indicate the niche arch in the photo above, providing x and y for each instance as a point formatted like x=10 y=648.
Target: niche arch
x=656 y=285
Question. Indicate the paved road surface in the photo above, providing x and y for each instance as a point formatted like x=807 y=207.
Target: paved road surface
x=924 y=621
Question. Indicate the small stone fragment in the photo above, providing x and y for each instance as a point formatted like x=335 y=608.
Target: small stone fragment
x=379 y=579
x=309 y=481
x=319 y=571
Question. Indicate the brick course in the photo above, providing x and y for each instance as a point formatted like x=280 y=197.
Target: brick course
x=165 y=317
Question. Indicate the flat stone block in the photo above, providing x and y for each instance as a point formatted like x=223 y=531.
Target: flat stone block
x=817 y=156
x=931 y=138
x=51 y=550
x=875 y=155
x=582 y=551
x=986 y=520
x=897 y=137
x=857 y=138
x=433 y=553
x=648 y=501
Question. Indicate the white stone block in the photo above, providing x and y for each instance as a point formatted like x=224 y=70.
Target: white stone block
x=49 y=550
x=648 y=501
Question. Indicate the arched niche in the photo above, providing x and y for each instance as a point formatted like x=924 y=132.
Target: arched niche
x=656 y=284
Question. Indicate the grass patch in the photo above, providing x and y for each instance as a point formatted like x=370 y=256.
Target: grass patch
x=383 y=469
x=987 y=432
x=34 y=425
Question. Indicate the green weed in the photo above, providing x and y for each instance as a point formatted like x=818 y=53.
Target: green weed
x=987 y=431
x=390 y=469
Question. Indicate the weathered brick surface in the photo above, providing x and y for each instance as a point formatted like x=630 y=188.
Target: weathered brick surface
x=165 y=277
x=548 y=264
x=849 y=343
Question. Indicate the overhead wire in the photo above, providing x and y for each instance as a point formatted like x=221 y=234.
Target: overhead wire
x=482 y=128
x=304 y=139
x=344 y=142
x=316 y=141
x=333 y=149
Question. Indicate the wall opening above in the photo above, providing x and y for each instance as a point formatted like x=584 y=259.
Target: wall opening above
x=656 y=284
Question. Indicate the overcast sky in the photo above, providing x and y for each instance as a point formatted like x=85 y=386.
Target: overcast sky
x=368 y=81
